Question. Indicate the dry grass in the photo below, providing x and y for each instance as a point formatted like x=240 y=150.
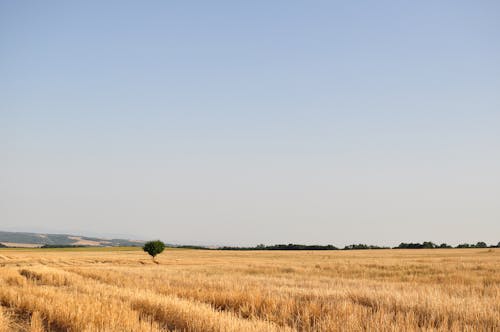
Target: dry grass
x=190 y=290
x=5 y=323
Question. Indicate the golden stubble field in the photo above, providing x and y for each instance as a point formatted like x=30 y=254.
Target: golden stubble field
x=201 y=290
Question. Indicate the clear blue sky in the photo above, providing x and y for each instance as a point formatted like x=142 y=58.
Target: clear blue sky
x=231 y=122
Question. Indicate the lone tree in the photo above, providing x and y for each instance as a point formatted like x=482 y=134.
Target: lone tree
x=154 y=248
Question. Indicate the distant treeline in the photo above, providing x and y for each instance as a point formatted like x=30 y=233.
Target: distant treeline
x=187 y=247
x=431 y=245
x=48 y=246
x=292 y=246
x=289 y=246
x=360 y=246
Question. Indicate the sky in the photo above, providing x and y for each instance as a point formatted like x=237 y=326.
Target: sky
x=247 y=122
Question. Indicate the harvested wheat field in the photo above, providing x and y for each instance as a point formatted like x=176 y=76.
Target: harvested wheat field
x=202 y=290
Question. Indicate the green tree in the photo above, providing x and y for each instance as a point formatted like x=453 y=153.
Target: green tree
x=154 y=248
x=481 y=245
x=428 y=245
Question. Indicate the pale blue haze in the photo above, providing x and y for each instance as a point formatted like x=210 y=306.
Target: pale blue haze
x=231 y=122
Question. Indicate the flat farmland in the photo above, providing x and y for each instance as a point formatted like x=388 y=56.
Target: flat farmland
x=204 y=290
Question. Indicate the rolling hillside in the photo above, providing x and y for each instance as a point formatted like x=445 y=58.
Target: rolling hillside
x=21 y=239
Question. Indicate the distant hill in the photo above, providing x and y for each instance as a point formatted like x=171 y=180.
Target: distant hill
x=21 y=239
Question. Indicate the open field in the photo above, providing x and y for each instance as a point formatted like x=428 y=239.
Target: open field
x=200 y=290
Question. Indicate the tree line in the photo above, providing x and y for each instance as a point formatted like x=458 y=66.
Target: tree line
x=431 y=245
x=360 y=246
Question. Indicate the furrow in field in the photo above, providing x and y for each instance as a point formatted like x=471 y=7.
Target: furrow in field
x=61 y=308
x=308 y=308
x=169 y=311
